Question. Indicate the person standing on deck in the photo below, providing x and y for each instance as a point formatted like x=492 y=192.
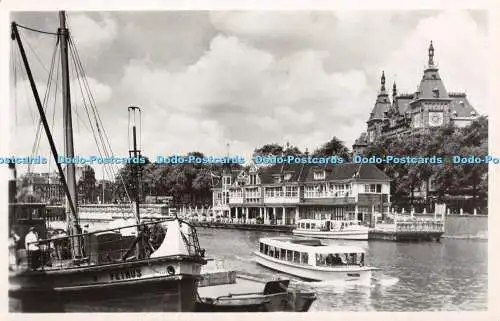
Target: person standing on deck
x=32 y=247
x=13 y=241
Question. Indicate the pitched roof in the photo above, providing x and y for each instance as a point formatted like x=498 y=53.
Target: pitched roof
x=305 y=172
x=461 y=105
x=402 y=101
x=382 y=104
x=431 y=85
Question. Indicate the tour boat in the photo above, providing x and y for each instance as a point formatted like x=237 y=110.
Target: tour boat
x=310 y=259
x=102 y=271
x=332 y=229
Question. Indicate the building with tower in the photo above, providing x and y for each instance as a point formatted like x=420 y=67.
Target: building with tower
x=431 y=106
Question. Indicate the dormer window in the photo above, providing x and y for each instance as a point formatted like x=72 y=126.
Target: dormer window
x=473 y=113
x=288 y=176
x=435 y=91
x=319 y=175
x=276 y=179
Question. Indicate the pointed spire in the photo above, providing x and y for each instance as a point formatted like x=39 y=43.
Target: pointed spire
x=431 y=55
x=382 y=82
x=394 y=90
x=226 y=166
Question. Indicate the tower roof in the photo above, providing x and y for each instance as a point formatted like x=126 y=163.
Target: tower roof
x=431 y=86
x=382 y=104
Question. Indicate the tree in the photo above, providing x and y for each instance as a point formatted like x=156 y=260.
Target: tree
x=334 y=147
x=268 y=150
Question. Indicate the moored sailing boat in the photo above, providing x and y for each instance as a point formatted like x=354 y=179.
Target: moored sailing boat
x=134 y=275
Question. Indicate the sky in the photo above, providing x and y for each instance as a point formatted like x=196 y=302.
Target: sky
x=205 y=79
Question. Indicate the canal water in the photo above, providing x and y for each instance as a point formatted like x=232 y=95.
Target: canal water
x=448 y=276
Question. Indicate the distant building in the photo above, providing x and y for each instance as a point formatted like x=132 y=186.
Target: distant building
x=431 y=106
x=282 y=194
x=46 y=186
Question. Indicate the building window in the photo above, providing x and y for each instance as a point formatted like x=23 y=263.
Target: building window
x=373 y=188
x=291 y=191
x=319 y=175
x=276 y=179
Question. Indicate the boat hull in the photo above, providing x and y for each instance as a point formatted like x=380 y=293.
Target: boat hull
x=125 y=287
x=342 y=235
x=342 y=273
x=285 y=302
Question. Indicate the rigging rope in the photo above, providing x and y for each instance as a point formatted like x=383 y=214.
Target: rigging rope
x=37 y=30
x=102 y=135
x=36 y=143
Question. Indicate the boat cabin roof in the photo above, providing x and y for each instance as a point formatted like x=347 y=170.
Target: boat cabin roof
x=309 y=245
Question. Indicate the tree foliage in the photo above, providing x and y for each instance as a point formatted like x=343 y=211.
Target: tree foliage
x=449 y=179
x=334 y=147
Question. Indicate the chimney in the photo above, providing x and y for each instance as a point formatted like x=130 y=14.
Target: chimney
x=12 y=183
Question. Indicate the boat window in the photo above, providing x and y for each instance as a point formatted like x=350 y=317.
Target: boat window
x=261 y=247
x=289 y=255
x=271 y=251
x=329 y=260
x=304 y=257
x=283 y=254
x=320 y=260
x=266 y=248
x=307 y=225
x=276 y=253
x=313 y=225
x=296 y=257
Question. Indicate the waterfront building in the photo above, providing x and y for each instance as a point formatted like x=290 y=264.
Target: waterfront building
x=431 y=106
x=46 y=187
x=285 y=193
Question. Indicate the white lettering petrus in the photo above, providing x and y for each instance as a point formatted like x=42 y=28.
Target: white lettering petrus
x=125 y=274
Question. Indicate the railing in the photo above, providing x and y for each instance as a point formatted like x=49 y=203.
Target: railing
x=420 y=226
x=105 y=246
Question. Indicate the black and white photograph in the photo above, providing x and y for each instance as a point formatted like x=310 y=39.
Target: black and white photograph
x=247 y=160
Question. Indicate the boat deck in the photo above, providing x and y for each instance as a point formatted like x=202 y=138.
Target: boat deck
x=243 y=285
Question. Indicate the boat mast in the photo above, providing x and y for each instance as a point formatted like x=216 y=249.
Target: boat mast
x=71 y=216
x=135 y=112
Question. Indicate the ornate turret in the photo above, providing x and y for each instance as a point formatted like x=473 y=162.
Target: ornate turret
x=431 y=55
x=431 y=86
x=394 y=91
x=382 y=103
x=382 y=83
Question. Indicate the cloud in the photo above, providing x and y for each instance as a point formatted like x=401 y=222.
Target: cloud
x=90 y=34
x=248 y=92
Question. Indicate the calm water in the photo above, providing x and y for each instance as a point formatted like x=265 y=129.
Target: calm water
x=447 y=276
